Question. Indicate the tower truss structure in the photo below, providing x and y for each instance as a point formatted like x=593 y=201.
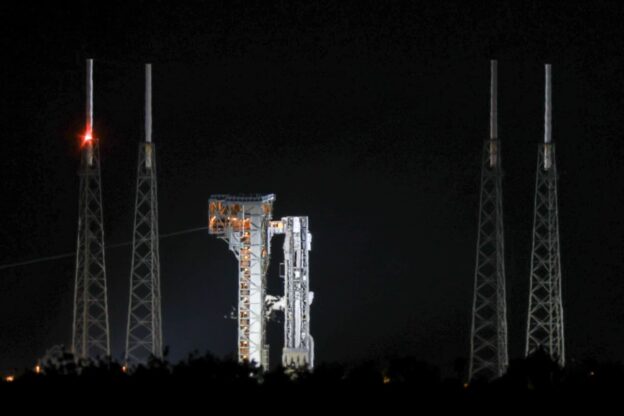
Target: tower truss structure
x=144 y=330
x=243 y=223
x=545 y=328
x=90 y=329
x=488 y=345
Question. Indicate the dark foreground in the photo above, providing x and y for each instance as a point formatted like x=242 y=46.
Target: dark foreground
x=206 y=382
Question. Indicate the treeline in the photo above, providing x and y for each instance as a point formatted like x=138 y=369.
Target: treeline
x=397 y=380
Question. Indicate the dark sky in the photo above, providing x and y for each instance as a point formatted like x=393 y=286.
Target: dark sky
x=368 y=117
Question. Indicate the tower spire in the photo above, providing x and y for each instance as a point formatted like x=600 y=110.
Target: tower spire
x=90 y=329
x=144 y=331
x=488 y=341
x=547 y=118
x=493 y=111
x=547 y=105
x=89 y=90
x=148 y=103
x=545 y=329
x=493 y=99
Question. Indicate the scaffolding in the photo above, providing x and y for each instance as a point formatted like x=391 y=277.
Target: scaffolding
x=243 y=222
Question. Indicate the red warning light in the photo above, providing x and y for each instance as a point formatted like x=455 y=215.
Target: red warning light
x=88 y=136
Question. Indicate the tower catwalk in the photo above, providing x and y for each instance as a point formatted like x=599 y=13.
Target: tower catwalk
x=243 y=223
x=545 y=317
x=90 y=334
x=144 y=331
x=488 y=343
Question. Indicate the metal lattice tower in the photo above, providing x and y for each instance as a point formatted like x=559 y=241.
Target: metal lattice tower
x=243 y=223
x=144 y=331
x=545 y=317
x=488 y=343
x=90 y=335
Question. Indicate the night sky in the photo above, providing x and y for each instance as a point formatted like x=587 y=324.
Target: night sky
x=368 y=117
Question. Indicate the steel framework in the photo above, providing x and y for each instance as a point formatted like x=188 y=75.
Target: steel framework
x=144 y=330
x=90 y=332
x=545 y=317
x=488 y=346
x=243 y=223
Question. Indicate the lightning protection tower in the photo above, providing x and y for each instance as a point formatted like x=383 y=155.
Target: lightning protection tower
x=488 y=343
x=90 y=335
x=144 y=331
x=545 y=317
x=243 y=223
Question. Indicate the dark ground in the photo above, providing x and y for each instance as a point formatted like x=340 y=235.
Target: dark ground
x=400 y=384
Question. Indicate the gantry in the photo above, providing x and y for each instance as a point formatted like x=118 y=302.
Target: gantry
x=245 y=223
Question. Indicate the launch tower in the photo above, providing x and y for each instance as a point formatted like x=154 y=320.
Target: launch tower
x=243 y=223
